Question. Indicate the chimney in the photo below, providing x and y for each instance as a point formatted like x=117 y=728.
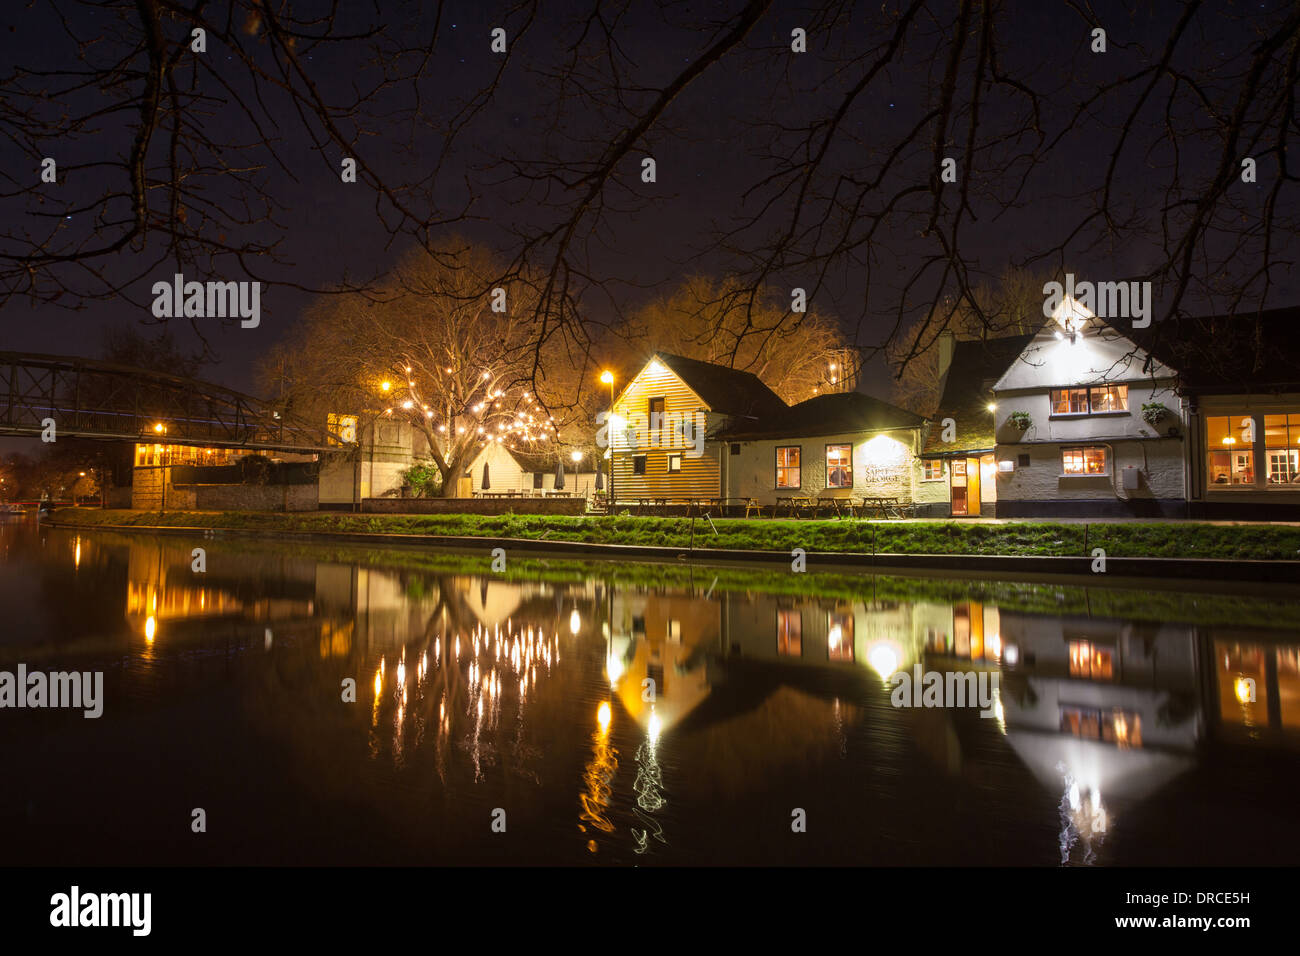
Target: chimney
x=947 y=342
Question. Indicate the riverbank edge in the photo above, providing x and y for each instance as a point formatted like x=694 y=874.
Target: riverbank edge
x=1192 y=569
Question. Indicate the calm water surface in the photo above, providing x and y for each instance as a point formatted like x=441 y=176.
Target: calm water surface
x=1124 y=734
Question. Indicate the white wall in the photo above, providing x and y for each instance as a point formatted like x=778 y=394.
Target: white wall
x=884 y=463
x=1097 y=356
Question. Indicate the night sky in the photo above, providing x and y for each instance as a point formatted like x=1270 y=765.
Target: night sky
x=709 y=149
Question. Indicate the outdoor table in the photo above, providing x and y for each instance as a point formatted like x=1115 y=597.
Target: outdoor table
x=885 y=506
x=793 y=504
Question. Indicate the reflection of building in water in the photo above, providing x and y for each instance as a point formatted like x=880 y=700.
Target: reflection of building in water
x=885 y=636
x=1257 y=685
x=164 y=589
x=664 y=639
x=1099 y=710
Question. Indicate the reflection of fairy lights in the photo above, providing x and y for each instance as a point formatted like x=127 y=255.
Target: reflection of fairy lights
x=883 y=660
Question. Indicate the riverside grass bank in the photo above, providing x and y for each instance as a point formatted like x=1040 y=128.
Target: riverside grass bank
x=1172 y=549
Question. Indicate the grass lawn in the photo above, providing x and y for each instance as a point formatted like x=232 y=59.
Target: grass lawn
x=1171 y=540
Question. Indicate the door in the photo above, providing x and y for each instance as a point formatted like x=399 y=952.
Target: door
x=957 y=478
x=973 y=487
x=965 y=478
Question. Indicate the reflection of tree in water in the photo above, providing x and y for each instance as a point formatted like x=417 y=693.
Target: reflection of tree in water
x=464 y=671
x=1083 y=819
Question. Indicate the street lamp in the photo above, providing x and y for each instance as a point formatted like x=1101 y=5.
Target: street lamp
x=607 y=378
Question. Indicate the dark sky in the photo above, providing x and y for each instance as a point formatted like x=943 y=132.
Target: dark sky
x=707 y=152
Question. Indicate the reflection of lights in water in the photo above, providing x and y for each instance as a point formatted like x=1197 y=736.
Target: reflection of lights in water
x=655 y=726
x=575 y=622
x=613 y=669
x=401 y=674
x=379 y=681
x=598 y=777
x=649 y=797
x=603 y=716
x=1244 y=689
x=150 y=628
x=883 y=660
x=993 y=647
x=1010 y=655
x=76 y=558
x=267 y=637
x=1083 y=817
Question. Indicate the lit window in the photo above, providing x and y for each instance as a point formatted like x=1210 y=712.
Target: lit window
x=789 y=632
x=342 y=428
x=1119 y=727
x=839 y=635
x=1109 y=398
x=839 y=466
x=1092 y=661
x=1090 y=401
x=1282 y=447
x=1083 y=461
x=787 y=467
x=674 y=463
x=1230 y=445
x=932 y=469
x=1069 y=401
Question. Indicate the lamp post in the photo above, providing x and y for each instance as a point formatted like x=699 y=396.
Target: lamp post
x=607 y=377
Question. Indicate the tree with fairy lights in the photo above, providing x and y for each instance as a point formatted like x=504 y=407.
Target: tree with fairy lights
x=447 y=347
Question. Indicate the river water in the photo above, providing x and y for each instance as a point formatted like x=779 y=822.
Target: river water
x=331 y=705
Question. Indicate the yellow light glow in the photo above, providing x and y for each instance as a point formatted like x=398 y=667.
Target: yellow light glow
x=655 y=727
x=883 y=660
x=1241 y=687
x=607 y=378
x=993 y=407
x=575 y=622
x=158 y=428
x=150 y=628
x=604 y=714
x=613 y=669
x=385 y=386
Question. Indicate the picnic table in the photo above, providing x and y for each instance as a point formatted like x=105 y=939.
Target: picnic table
x=884 y=506
x=694 y=504
x=813 y=505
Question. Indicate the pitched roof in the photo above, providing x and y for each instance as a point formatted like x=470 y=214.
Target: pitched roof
x=532 y=462
x=967 y=391
x=1246 y=352
x=830 y=414
x=725 y=390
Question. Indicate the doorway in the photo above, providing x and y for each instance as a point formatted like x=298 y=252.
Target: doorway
x=966 y=487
